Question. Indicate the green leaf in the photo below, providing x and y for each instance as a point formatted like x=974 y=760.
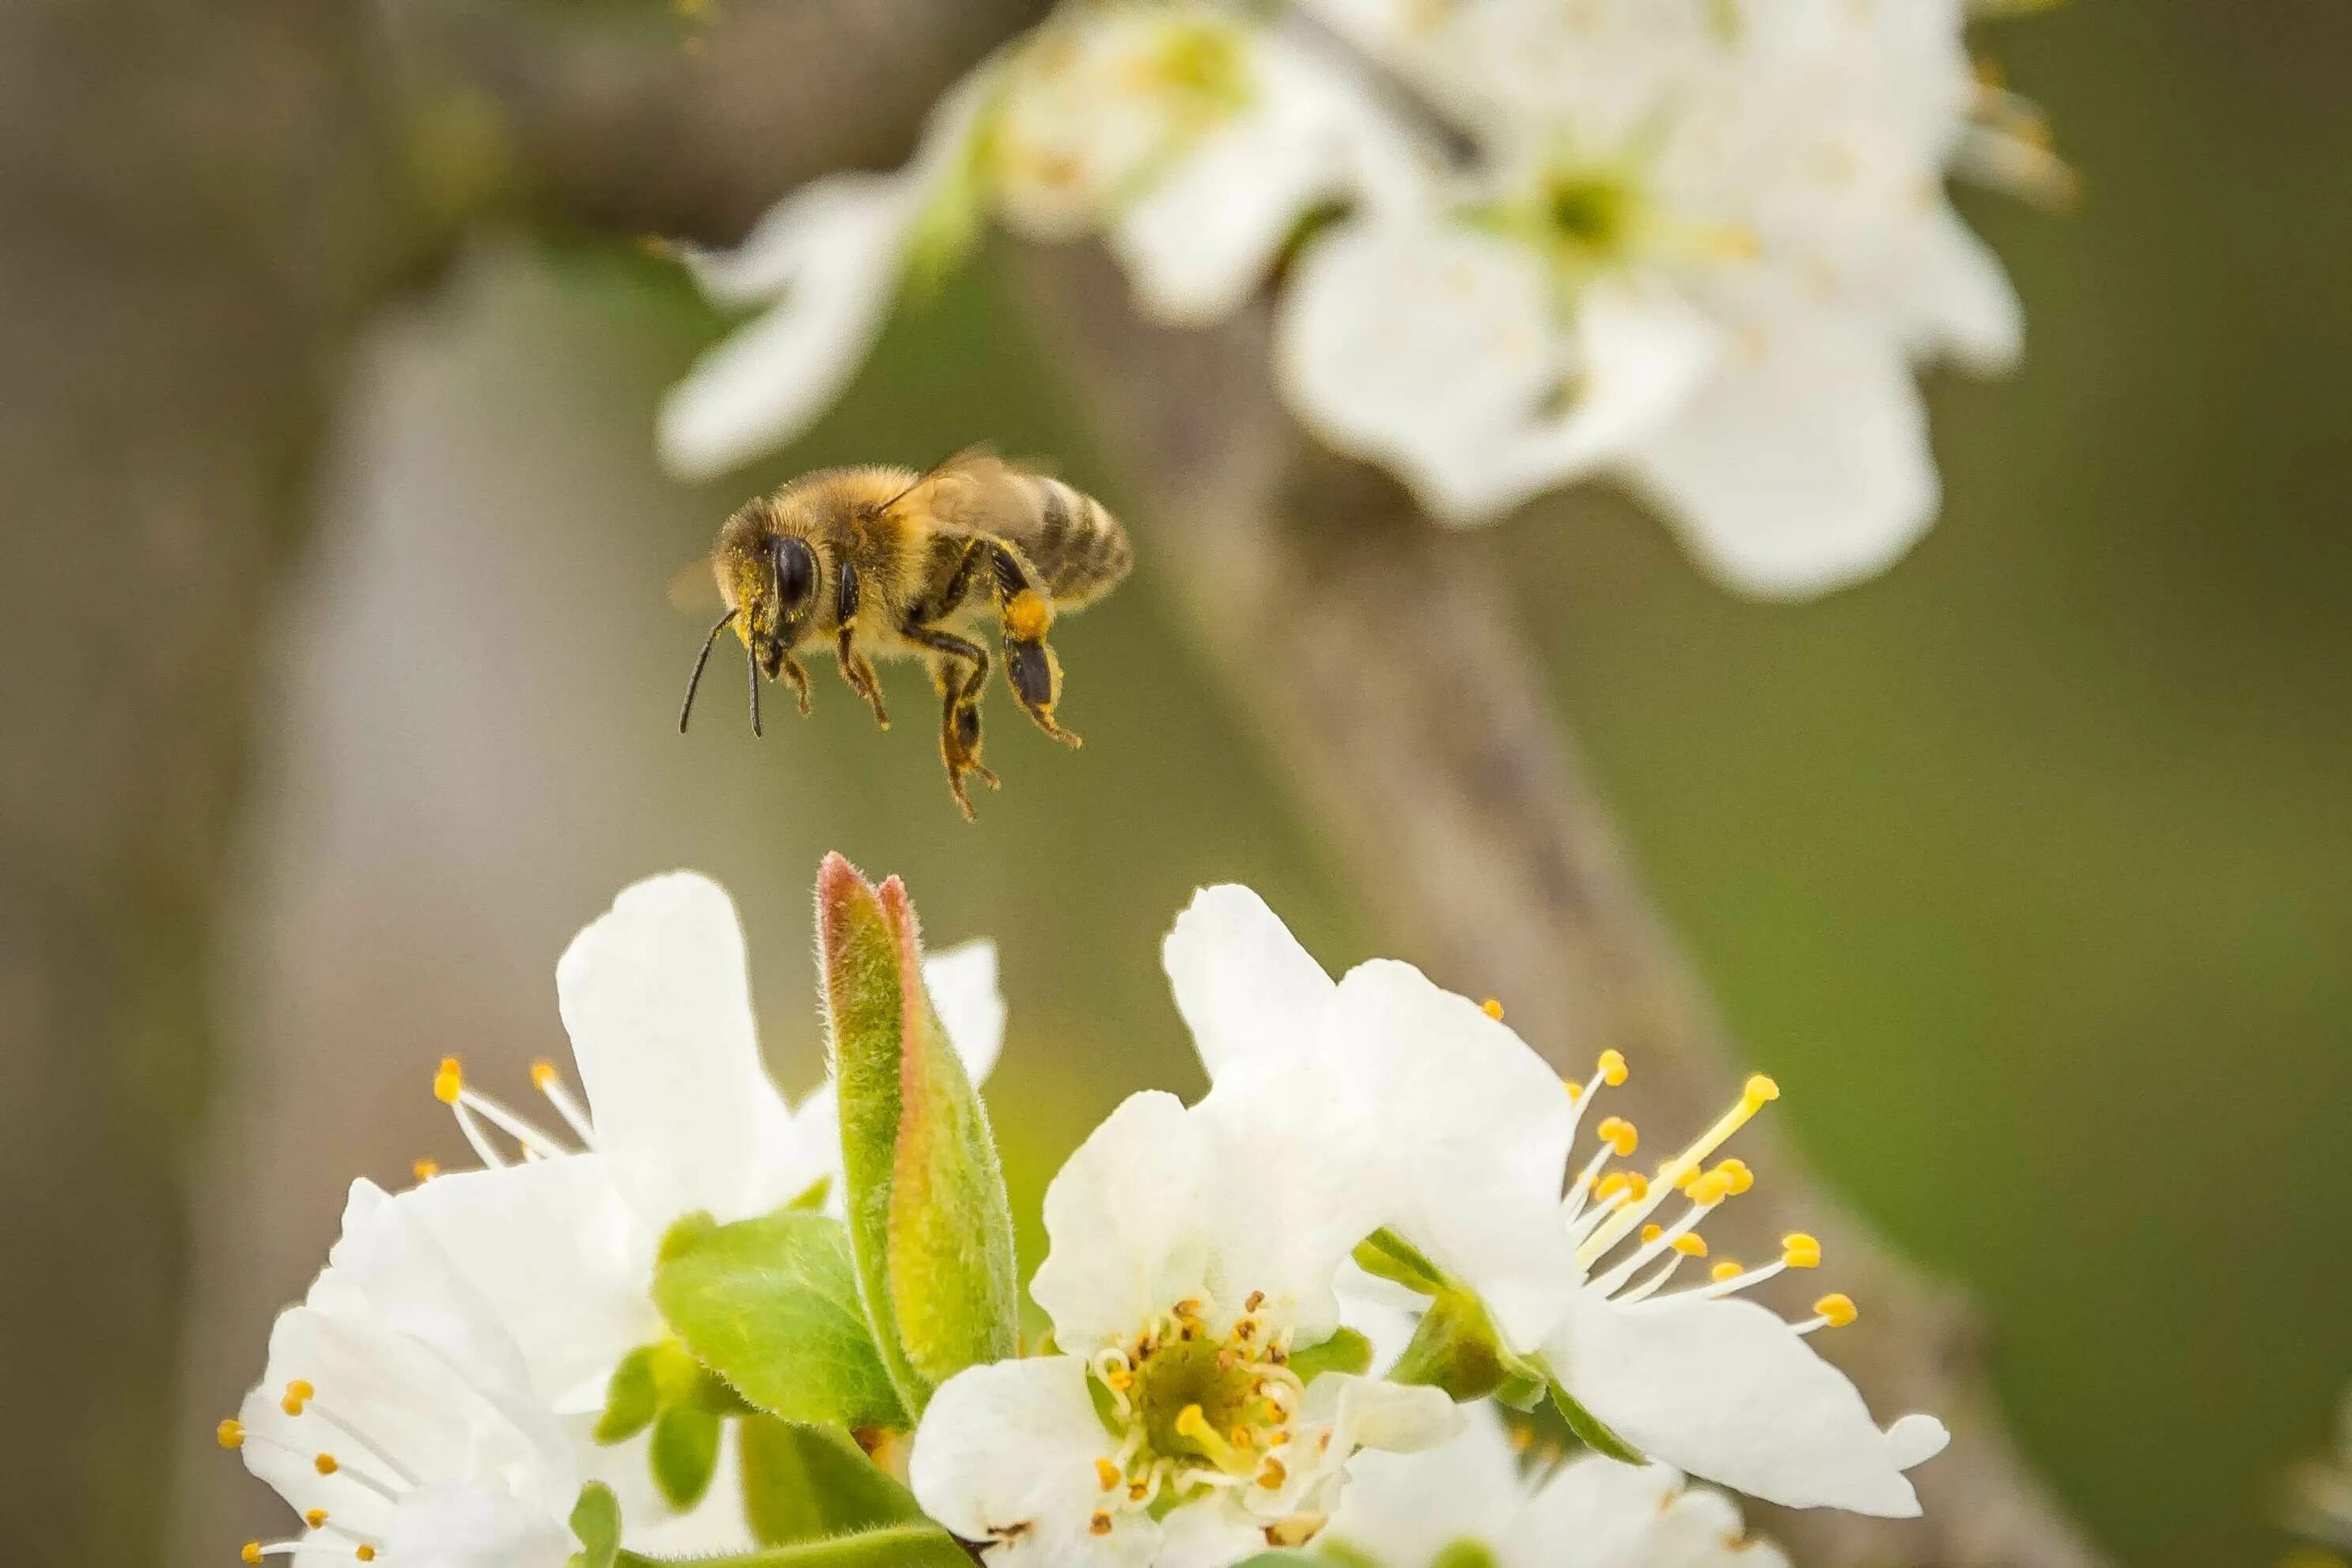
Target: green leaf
x=929 y=1226
x=806 y=1483
x=1390 y=1257
x=1592 y=1432
x=771 y=1305
x=596 y=1525
x=1345 y=1351
x=923 y=1545
x=631 y=1398
x=684 y=1452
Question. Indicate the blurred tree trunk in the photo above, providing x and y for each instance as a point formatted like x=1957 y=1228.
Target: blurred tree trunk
x=1380 y=659
x=191 y=206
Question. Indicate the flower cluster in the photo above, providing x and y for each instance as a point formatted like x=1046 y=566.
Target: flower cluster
x=1699 y=245
x=1368 y=1291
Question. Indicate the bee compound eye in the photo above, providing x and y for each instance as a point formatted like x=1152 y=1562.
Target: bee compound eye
x=795 y=567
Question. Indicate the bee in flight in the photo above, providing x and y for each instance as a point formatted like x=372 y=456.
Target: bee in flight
x=885 y=563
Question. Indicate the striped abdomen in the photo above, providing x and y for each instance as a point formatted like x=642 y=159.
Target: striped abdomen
x=1078 y=548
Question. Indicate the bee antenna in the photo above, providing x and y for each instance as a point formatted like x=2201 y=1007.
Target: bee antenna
x=751 y=667
x=686 y=708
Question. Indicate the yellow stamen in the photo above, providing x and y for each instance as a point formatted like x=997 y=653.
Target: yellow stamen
x=1836 y=1309
x=1618 y=1134
x=1690 y=1244
x=1272 y=1476
x=1742 y=1178
x=1575 y=1090
x=1651 y=1233
x=365 y=1553
x=326 y=1464
x=1710 y=1189
x=1758 y=1092
x=1100 y=1524
x=1107 y=1473
x=316 y=1519
x=542 y=1073
x=1611 y=1068
x=1192 y=1424
x=1727 y=1270
x=230 y=1434
x=298 y=1395
x=425 y=1170
x=1256 y=1300
x=1798 y=1250
x=449 y=1082
x=251 y=1553
x=1492 y=1008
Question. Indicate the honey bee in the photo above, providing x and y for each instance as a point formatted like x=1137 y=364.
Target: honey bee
x=887 y=562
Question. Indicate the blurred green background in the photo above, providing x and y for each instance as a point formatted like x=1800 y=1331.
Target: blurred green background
x=2028 y=868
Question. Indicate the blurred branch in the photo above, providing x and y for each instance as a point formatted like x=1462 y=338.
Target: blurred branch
x=1380 y=659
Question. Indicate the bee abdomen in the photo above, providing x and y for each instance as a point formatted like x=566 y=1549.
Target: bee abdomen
x=1078 y=547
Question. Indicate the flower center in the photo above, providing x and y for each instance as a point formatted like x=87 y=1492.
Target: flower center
x=1590 y=213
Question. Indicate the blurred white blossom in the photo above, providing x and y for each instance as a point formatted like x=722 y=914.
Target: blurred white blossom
x=1474 y=1500
x=1700 y=246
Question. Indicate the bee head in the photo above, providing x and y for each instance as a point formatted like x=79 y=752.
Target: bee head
x=784 y=599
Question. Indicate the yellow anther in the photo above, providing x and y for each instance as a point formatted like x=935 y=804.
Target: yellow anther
x=1138 y=1491
x=298 y=1395
x=1742 y=1178
x=1256 y=1300
x=1727 y=1270
x=1710 y=1189
x=543 y=1073
x=230 y=1434
x=316 y=1519
x=326 y=1464
x=1760 y=1090
x=251 y=1551
x=1682 y=1176
x=1272 y=1475
x=1837 y=1309
x=1610 y=1185
x=1611 y=1068
x=1107 y=1473
x=364 y=1552
x=1690 y=1244
x=1651 y=1233
x=1575 y=1090
x=449 y=1081
x=1118 y=1380
x=1185 y=1309
x=425 y=1170
x=1492 y=1008
x=1798 y=1250
x=1100 y=1524
x=1618 y=1134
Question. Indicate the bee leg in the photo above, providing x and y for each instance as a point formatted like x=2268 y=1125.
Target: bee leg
x=960 y=670
x=1030 y=666
x=855 y=669
x=796 y=677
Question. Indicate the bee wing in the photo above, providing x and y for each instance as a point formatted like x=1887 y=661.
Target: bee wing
x=692 y=587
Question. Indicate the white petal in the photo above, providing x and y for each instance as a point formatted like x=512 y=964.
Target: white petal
x=833 y=249
x=1595 y=1513
x=1010 y=1448
x=1393 y=1417
x=559 y=1258
x=1476 y=1129
x=1802 y=465
x=962 y=983
x=1407 y=1508
x=1199 y=242
x=1240 y=979
x=1209 y=1532
x=1967 y=306
x=717 y=1524
x=456 y=1527
x=656 y=998
x=1727 y=1390
x=1124 y=1223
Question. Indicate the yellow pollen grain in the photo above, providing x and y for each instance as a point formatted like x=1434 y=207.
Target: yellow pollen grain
x=1837 y=1309
x=449 y=1081
x=251 y=1551
x=298 y=1395
x=326 y=1464
x=425 y=1170
x=1620 y=1135
x=1107 y=1473
x=543 y=1073
x=1611 y=1068
x=230 y=1434
x=1798 y=1250
x=1492 y=1008
x=1027 y=616
x=1100 y=1524
x=1690 y=1244
x=1727 y=1270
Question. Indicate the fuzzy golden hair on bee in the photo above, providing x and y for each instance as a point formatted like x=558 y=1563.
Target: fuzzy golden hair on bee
x=877 y=563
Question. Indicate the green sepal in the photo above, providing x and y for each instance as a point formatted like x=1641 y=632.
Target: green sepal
x=1592 y=1431
x=684 y=1236
x=771 y=1306
x=930 y=1229
x=631 y=1397
x=596 y=1525
x=1457 y=1348
x=916 y=1545
x=807 y=1483
x=1346 y=1351
x=1388 y=1255
x=684 y=1452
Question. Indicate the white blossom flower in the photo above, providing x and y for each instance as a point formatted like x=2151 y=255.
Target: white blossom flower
x=1476 y=1135
x=1191 y=137
x=1178 y=1421
x=679 y=1117
x=1475 y=1501
x=396 y=1414
x=1708 y=244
